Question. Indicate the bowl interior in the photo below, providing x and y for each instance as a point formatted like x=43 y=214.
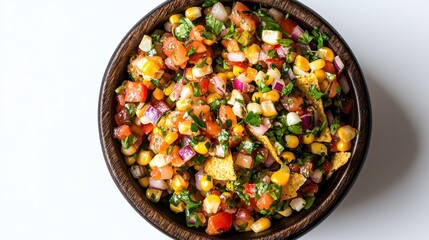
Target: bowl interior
x=160 y=216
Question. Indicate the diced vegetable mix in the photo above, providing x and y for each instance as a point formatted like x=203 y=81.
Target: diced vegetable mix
x=234 y=115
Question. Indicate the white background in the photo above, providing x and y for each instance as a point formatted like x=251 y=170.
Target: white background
x=54 y=183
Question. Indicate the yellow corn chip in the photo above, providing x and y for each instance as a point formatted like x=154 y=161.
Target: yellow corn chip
x=221 y=168
x=304 y=83
x=338 y=160
x=267 y=144
x=289 y=191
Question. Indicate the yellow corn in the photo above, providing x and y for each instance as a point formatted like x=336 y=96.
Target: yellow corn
x=158 y=94
x=230 y=185
x=150 y=68
x=288 y=156
x=343 y=146
x=210 y=42
x=213 y=97
x=326 y=54
x=318 y=148
x=261 y=224
x=230 y=74
x=144 y=182
x=252 y=53
x=286 y=213
x=188 y=74
x=238 y=70
x=178 y=183
x=179 y=208
x=130 y=160
x=317 y=64
x=272 y=96
x=187 y=91
x=153 y=194
x=211 y=203
x=168 y=90
x=129 y=151
x=193 y=13
x=320 y=74
x=141 y=111
x=308 y=138
x=185 y=128
x=197 y=167
x=254 y=107
x=251 y=73
x=249 y=224
x=206 y=183
x=175 y=18
x=268 y=109
x=257 y=96
x=346 y=133
x=183 y=104
x=201 y=147
x=238 y=129
x=292 y=141
x=144 y=157
x=302 y=63
x=281 y=176
x=223 y=76
x=157 y=131
x=171 y=137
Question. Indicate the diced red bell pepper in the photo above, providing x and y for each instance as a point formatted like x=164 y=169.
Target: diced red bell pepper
x=135 y=92
x=219 y=223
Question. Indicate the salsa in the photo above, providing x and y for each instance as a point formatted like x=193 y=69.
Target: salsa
x=234 y=116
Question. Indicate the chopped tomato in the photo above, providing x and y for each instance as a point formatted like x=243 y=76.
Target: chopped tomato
x=175 y=159
x=306 y=169
x=219 y=223
x=227 y=116
x=288 y=25
x=121 y=99
x=165 y=172
x=136 y=130
x=310 y=189
x=198 y=46
x=329 y=67
x=333 y=92
x=135 y=92
x=175 y=50
x=249 y=188
x=175 y=117
x=122 y=116
x=327 y=166
x=231 y=45
x=122 y=132
x=238 y=64
x=197 y=32
x=333 y=143
x=203 y=84
x=240 y=18
x=213 y=129
x=264 y=202
x=157 y=143
x=194 y=58
x=293 y=103
x=147 y=128
x=348 y=105
x=277 y=62
x=161 y=106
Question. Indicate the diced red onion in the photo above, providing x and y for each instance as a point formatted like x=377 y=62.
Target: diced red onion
x=276 y=14
x=297 y=32
x=169 y=63
x=307 y=122
x=177 y=89
x=344 y=84
x=158 y=184
x=329 y=116
x=224 y=32
x=267 y=178
x=161 y=106
x=186 y=153
x=297 y=204
x=152 y=114
x=305 y=48
x=270 y=160
x=138 y=171
x=338 y=63
x=198 y=177
x=218 y=12
x=220 y=151
x=239 y=85
x=236 y=56
x=244 y=160
x=290 y=74
x=186 y=140
x=316 y=116
x=282 y=51
x=266 y=122
x=192 y=219
x=316 y=176
x=230 y=210
x=220 y=85
x=259 y=131
x=262 y=56
x=278 y=85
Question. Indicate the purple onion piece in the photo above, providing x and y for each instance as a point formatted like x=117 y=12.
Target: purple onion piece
x=338 y=63
x=344 y=84
x=270 y=160
x=152 y=114
x=158 y=184
x=186 y=153
x=281 y=52
x=220 y=151
x=278 y=86
x=290 y=74
x=297 y=32
x=259 y=131
x=329 y=116
x=198 y=177
x=238 y=85
x=306 y=122
x=316 y=176
x=219 y=84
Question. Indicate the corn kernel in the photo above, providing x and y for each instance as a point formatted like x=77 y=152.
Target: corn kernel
x=251 y=73
x=211 y=41
x=230 y=74
x=213 y=97
x=130 y=160
x=346 y=133
x=317 y=64
x=292 y=141
x=206 y=183
x=188 y=74
x=254 y=107
x=230 y=185
x=318 y=148
x=168 y=90
x=238 y=129
x=150 y=68
x=286 y=213
x=178 y=183
x=129 y=151
x=183 y=104
x=268 y=109
x=302 y=63
x=179 y=208
x=157 y=131
x=141 y=111
x=344 y=146
x=171 y=137
x=197 y=167
x=252 y=53
x=187 y=91
x=288 y=156
x=193 y=13
x=158 y=94
x=308 y=138
x=281 y=177
x=211 y=203
x=320 y=74
x=175 y=18
x=326 y=54
x=201 y=147
x=261 y=224
x=144 y=182
x=272 y=96
x=153 y=194
x=223 y=76
x=185 y=128
x=144 y=157
x=238 y=70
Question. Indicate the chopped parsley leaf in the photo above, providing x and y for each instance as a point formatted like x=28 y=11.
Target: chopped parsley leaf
x=316 y=94
x=253 y=119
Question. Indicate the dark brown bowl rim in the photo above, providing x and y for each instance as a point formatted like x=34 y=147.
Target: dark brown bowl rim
x=343 y=179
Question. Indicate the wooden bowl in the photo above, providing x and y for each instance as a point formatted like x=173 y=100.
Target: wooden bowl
x=174 y=225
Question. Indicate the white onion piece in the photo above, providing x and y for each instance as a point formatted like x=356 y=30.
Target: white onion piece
x=292 y=118
x=198 y=177
x=271 y=36
x=158 y=184
x=218 y=12
x=276 y=14
x=297 y=204
x=235 y=94
x=237 y=110
x=138 y=171
x=297 y=32
x=220 y=151
x=146 y=43
x=316 y=176
x=344 y=84
x=236 y=57
x=338 y=63
x=203 y=71
x=160 y=160
x=219 y=84
x=169 y=63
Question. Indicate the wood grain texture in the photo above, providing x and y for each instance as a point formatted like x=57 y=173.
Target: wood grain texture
x=174 y=225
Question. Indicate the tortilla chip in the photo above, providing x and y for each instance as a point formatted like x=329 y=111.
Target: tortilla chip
x=289 y=191
x=304 y=83
x=221 y=168
x=338 y=160
x=267 y=144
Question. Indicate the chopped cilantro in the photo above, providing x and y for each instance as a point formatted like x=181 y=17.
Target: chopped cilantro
x=131 y=109
x=232 y=34
x=318 y=130
x=183 y=29
x=285 y=42
x=253 y=119
x=194 y=127
x=155 y=82
x=247 y=146
x=213 y=25
x=170 y=148
x=309 y=202
x=270 y=23
x=208 y=3
x=197 y=120
x=321 y=37
x=207 y=35
x=305 y=38
x=201 y=63
x=316 y=94
x=271 y=53
x=287 y=90
x=295 y=129
x=128 y=141
x=190 y=51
